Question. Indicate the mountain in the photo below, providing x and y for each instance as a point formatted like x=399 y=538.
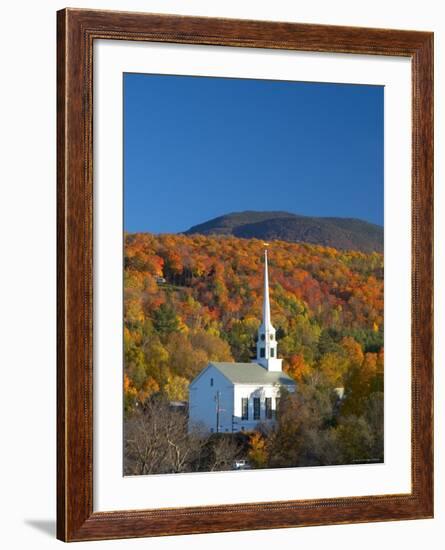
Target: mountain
x=342 y=233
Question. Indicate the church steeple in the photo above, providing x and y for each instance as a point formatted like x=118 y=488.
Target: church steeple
x=266 y=349
x=266 y=301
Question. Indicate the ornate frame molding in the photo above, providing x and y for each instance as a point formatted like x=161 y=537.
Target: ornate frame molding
x=76 y=32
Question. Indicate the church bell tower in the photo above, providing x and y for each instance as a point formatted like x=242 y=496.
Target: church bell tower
x=266 y=348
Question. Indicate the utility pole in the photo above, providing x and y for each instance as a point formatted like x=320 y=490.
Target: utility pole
x=218 y=409
x=217 y=398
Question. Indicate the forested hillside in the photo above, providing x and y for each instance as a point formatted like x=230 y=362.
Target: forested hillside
x=191 y=299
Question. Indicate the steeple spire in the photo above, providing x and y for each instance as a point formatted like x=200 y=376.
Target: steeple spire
x=267 y=345
x=266 y=302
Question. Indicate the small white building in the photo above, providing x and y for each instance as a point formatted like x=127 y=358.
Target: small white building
x=233 y=397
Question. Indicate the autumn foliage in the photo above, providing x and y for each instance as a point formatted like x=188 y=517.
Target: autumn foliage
x=191 y=299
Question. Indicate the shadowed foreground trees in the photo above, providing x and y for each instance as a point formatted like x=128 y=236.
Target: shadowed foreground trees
x=157 y=442
x=314 y=428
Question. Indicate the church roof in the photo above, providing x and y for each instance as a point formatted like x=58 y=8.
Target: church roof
x=252 y=373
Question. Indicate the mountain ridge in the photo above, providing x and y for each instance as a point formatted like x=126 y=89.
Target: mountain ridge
x=341 y=233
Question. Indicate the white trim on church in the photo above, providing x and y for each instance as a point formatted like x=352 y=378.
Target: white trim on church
x=233 y=397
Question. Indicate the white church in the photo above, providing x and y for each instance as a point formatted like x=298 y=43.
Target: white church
x=234 y=397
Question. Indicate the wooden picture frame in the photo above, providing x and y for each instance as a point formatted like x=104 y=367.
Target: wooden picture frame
x=77 y=31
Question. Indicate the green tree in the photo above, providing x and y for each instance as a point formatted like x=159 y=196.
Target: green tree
x=165 y=320
x=241 y=338
x=356 y=440
x=328 y=342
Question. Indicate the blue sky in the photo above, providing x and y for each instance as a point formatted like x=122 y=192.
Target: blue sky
x=197 y=147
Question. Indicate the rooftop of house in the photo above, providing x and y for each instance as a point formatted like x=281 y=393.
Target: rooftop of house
x=252 y=373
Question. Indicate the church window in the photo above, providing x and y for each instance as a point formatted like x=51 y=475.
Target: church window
x=256 y=408
x=268 y=404
x=244 y=408
x=271 y=336
x=263 y=337
x=211 y=381
x=272 y=352
x=262 y=352
x=277 y=405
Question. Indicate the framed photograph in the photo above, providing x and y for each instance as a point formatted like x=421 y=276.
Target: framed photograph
x=245 y=229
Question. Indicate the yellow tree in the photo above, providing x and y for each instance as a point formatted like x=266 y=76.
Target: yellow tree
x=257 y=453
x=353 y=350
x=176 y=388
